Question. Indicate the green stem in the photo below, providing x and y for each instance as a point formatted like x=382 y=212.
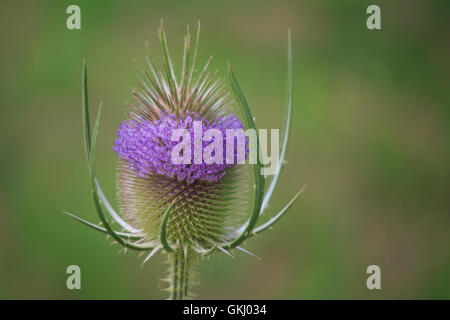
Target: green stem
x=180 y=272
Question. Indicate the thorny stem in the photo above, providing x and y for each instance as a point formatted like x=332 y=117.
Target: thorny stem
x=180 y=275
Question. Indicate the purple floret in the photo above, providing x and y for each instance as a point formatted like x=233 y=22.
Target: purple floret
x=147 y=146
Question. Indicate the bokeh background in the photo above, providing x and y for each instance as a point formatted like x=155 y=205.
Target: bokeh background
x=370 y=137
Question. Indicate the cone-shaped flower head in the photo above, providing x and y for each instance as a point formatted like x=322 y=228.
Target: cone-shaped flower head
x=207 y=196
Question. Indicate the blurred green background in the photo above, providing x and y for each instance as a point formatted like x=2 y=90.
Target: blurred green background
x=371 y=130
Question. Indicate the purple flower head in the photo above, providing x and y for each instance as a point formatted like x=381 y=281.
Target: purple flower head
x=147 y=146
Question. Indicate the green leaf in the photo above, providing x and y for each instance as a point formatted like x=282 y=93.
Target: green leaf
x=287 y=127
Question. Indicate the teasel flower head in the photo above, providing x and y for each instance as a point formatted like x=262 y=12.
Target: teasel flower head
x=190 y=209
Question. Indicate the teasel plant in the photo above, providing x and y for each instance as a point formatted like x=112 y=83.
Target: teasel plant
x=184 y=211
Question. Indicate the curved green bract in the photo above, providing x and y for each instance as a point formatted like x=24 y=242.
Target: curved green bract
x=277 y=217
x=97 y=200
x=87 y=144
x=259 y=178
x=287 y=128
x=163 y=230
x=85 y=106
x=261 y=199
x=248 y=252
x=101 y=229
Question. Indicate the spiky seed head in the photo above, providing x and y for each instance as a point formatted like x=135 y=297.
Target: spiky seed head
x=207 y=199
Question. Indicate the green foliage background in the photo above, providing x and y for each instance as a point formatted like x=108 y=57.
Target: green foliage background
x=371 y=131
